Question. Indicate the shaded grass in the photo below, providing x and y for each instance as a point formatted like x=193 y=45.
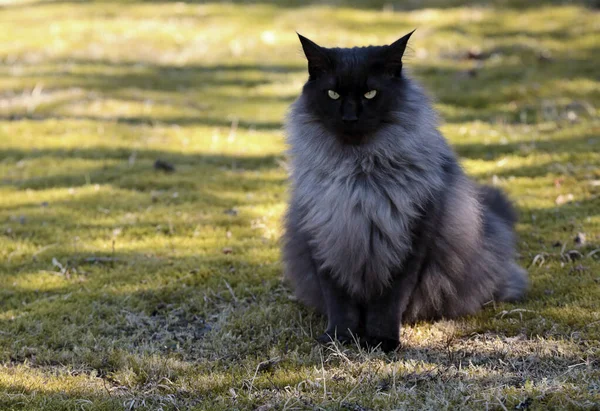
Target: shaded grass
x=124 y=287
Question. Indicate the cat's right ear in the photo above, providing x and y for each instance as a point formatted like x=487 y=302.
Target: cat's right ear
x=318 y=61
x=394 y=54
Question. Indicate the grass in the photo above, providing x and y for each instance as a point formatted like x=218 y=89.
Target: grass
x=125 y=287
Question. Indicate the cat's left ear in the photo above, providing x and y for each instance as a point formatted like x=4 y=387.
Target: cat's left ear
x=394 y=54
x=318 y=61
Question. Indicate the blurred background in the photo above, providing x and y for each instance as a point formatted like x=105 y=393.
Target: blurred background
x=142 y=171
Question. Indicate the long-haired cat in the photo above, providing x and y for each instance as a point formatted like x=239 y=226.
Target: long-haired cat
x=383 y=227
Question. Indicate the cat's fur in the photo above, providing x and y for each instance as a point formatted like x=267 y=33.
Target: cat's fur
x=383 y=226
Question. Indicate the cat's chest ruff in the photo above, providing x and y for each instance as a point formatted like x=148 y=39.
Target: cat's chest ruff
x=360 y=226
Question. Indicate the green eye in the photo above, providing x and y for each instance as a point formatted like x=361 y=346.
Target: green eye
x=370 y=94
x=333 y=95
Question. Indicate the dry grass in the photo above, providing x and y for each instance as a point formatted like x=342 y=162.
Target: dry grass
x=127 y=287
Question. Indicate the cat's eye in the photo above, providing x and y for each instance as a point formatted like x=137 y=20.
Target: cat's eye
x=333 y=95
x=370 y=94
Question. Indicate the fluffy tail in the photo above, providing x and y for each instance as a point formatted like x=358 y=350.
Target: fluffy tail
x=499 y=204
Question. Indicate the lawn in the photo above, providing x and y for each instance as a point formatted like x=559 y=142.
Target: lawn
x=126 y=286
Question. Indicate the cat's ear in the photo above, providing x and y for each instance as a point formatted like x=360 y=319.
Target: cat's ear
x=394 y=54
x=318 y=61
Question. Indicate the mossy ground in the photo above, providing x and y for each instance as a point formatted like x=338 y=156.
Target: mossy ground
x=124 y=287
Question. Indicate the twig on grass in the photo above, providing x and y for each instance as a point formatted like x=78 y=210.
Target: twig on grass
x=324 y=380
x=230 y=291
x=352 y=390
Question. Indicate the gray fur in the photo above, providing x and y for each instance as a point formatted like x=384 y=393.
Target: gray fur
x=354 y=208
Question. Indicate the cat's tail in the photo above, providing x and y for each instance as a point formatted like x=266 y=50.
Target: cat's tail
x=497 y=202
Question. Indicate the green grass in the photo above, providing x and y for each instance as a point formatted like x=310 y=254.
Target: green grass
x=124 y=287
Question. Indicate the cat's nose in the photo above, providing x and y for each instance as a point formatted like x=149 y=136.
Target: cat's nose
x=350 y=119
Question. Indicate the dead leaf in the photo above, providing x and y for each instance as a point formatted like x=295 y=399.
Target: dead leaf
x=544 y=56
x=231 y=211
x=475 y=53
x=580 y=239
x=558 y=181
x=564 y=198
x=164 y=166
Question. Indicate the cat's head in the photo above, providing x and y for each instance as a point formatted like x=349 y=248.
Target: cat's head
x=354 y=91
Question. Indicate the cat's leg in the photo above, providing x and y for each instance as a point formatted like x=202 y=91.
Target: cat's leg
x=317 y=288
x=343 y=311
x=384 y=312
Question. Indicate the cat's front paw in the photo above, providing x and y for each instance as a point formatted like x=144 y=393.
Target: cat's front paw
x=385 y=343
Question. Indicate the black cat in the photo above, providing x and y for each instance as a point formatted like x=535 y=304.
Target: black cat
x=383 y=226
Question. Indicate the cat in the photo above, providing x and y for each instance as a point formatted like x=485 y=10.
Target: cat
x=383 y=227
